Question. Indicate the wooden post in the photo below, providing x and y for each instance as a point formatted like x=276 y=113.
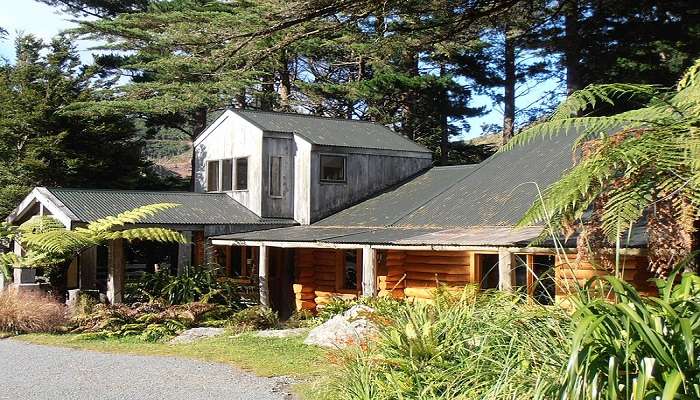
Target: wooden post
x=184 y=253
x=87 y=273
x=263 y=268
x=369 y=271
x=116 y=266
x=505 y=269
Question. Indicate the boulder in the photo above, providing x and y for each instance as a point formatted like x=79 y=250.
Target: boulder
x=352 y=327
x=194 y=334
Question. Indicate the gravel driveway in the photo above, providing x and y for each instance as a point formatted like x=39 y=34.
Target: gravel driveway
x=32 y=372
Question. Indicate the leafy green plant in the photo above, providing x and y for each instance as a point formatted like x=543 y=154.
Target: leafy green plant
x=195 y=284
x=254 y=318
x=635 y=347
x=489 y=345
x=149 y=322
x=645 y=161
x=47 y=243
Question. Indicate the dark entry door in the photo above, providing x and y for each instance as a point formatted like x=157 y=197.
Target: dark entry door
x=281 y=276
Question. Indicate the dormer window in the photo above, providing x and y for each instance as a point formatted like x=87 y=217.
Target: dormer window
x=242 y=173
x=332 y=168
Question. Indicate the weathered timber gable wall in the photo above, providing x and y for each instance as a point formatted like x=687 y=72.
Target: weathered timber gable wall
x=231 y=137
x=367 y=172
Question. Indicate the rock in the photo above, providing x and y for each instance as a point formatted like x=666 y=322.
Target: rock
x=281 y=333
x=194 y=334
x=350 y=328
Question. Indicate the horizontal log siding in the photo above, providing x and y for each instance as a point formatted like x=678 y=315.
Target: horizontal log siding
x=315 y=275
x=571 y=273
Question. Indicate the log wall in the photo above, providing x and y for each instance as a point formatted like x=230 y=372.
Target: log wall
x=571 y=273
x=414 y=275
x=315 y=277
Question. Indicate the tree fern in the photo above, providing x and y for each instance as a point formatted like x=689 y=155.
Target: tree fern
x=633 y=160
x=48 y=243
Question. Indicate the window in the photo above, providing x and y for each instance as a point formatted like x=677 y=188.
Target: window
x=275 y=176
x=332 y=168
x=213 y=176
x=241 y=174
x=226 y=175
x=350 y=270
x=534 y=275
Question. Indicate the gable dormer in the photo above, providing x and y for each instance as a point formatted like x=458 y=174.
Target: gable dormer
x=298 y=166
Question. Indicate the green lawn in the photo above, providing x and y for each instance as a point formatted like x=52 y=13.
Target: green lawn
x=262 y=356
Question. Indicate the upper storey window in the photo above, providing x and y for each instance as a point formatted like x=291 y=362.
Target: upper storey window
x=332 y=168
x=226 y=175
x=242 y=173
x=213 y=176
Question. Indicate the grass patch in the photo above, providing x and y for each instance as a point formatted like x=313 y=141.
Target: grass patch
x=262 y=356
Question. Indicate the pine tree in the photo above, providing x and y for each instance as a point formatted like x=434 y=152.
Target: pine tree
x=39 y=145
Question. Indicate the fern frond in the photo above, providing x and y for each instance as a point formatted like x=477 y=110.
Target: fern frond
x=594 y=95
x=154 y=234
x=128 y=217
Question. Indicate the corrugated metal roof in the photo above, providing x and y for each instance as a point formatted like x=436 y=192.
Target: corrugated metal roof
x=195 y=208
x=332 y=131
x=493 y=236
x=305 y=233
x=501 y=189
x=391 y=205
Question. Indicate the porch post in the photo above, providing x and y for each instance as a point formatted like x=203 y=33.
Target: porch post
x=116 y=266
x=369 y=271
x=184 y=253
x=505 y=269
x=263 y=269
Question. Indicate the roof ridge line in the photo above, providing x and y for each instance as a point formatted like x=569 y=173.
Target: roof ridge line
x=137 y=191
x=294 y=114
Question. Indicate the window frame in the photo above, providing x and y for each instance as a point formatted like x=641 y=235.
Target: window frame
x=340 y=271
x=218 y=176
x=345 y=168
x=221 y=174
x=269 y=176
x=236 y=188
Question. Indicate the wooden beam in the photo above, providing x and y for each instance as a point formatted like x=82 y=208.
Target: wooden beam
x=263 y=272
x=505 y=269
x=116 y=266
x=184 y=253
x=369 y=271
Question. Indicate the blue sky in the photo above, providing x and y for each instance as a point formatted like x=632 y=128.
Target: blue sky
x=29 y=16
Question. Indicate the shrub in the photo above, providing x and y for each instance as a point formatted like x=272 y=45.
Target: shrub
x=385 y=307
x=149 y=321
x=635 y=347
x=197 y=284
x=253 y=319
x=30 y=313
x=492 y=345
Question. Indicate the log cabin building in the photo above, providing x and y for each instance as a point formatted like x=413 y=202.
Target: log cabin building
x=313 y=208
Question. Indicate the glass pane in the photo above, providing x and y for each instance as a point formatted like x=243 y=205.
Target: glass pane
x=544 y=279
x=213 y=176
x=226 y=175
x=241 y=174
x=276 y=176
x=332 y=168
x=350 y=270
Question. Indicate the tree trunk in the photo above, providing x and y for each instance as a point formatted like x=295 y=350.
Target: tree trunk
x=285 y=82
x=508 y=87
x=266 y=94
x=408 y=117
x=199 y=125
x=572 y=50
x=444 y=125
